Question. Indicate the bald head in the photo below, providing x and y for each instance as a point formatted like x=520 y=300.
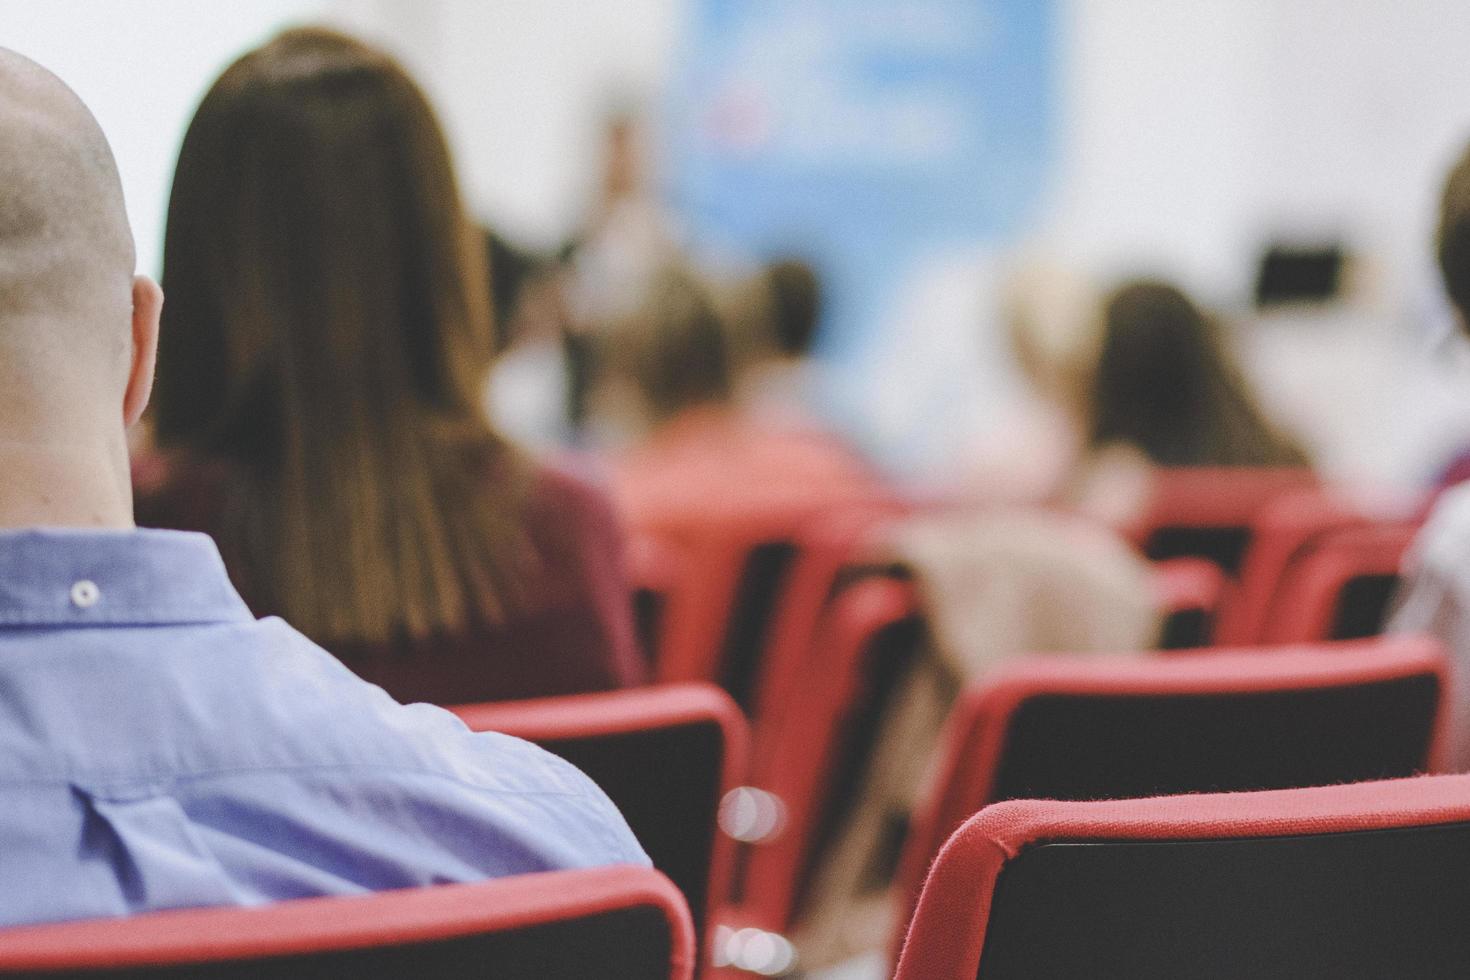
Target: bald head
x=78 y=331
x=66 y=252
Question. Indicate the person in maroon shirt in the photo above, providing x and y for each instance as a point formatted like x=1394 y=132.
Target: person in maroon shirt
x=318 y=412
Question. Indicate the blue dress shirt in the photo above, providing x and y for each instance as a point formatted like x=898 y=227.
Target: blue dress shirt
x=160 y=748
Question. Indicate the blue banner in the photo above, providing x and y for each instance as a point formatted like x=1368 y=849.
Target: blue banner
x=866 y=136
x=861 y=132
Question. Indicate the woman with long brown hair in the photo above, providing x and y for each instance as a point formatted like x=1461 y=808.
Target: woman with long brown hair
x=1166 y=385
x=1164 y=391
x=326 y=339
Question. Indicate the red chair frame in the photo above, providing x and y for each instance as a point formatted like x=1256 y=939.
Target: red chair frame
x=655 y=568
x=1310 y=594
x=1211 y=496
x=975 y=736
x=615 y=712
x=715 y=546
x=806 y=745
x=947 y=935
x=1283 y=530
x=333 y=924
x=826 y=545
x=586 y=716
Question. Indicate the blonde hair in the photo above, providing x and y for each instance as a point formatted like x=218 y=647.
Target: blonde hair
x=1051 y=319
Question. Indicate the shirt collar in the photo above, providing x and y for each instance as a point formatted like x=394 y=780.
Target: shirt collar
x=80 y=577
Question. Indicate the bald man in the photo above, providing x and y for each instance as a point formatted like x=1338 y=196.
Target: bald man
x=159 y=747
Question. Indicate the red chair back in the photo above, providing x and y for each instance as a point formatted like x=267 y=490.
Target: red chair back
x=828 y=551
x=1284 y=530
x=867 y=634
x=1341 y=588
x=1086 y=728
x=735 y=562
x=1208 y=512
x=666 y=756
x=1344 y=882
x=622 y=921
x=737 y=567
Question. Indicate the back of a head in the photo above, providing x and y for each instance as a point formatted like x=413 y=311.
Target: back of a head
x=316 y=246
x=677 y=349
x=328 y=328
x=1165 y=384
x=1049 y=312
x=66 y=252
x=1453 y=244
x=796 y=306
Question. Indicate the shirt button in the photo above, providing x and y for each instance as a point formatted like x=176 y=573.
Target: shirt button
x=85 y=594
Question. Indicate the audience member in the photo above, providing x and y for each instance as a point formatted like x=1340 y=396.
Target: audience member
x=325 y=345
x=783 y=311
x=677 y=351
x=512 y=269
x=701 y=449
x=1165 y=392
x=1436 y=595
x=1049 y=323
x=160 y=747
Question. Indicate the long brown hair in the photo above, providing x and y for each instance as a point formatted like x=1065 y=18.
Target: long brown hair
x=1166 y=384
x=328 y=329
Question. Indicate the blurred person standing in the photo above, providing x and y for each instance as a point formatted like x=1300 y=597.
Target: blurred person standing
x=319 y=407
x=611 y=262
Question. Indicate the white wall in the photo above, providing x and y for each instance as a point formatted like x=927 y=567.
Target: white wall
x=1160 y=142
x=1368 y=105
x=521 y=85
x=1196 y=130
x=142 y=67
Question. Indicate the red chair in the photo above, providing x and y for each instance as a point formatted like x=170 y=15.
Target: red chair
x=1342 y=588
x=1208 y=512
x=1358 y=882
x=666 y=756
x=737 y=543
x=867 y=635
x=735 y=563
x=828 y=550
x=1076 y=728
x=622 y=921
x=1284 y=529
x=1189 y=592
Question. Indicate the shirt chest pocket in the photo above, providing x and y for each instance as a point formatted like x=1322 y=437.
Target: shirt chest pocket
x=155 y=852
